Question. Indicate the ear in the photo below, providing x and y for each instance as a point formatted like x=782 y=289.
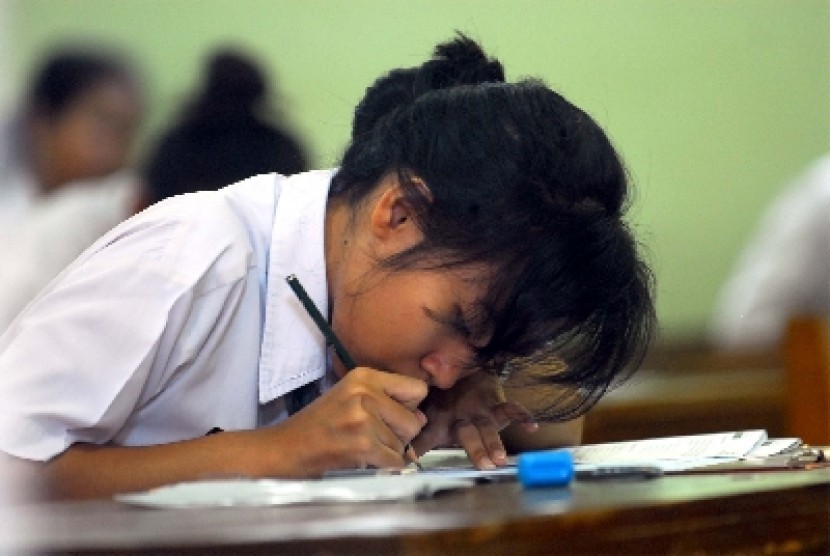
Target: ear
x=391 y=219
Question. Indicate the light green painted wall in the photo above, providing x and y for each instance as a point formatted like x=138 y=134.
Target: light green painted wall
x=713 y=104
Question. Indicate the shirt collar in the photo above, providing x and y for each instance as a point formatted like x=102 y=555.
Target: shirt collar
x=293 y=349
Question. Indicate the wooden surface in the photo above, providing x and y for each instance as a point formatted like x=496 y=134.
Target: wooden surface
x=690 y=388
x=768 y=512
x=657 y=403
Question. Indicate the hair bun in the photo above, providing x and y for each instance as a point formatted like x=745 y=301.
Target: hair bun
x=233 y=87
x=460 y=61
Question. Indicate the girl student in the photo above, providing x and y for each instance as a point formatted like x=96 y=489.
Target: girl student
x=471 y=244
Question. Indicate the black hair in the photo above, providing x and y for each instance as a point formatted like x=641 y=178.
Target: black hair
x=233 y=88
x=521 y=179
x=224 y=135
x=70 y=71
x=455 y=63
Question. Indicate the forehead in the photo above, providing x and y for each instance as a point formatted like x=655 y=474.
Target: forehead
x=111 y=95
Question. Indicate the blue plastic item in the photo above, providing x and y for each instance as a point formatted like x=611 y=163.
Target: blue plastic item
x=545 y=468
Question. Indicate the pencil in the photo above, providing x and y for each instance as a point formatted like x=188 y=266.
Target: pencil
x=332 y=339
x=321 y=323
x=413 y=457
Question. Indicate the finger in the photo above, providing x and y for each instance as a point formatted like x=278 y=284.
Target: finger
x=431 y=436
x=421 y=416
x=369 y=412
x=395 y=399
x=393 y=452
x=470 y=439
x=366 y=439
x=387 y=457
x=403 y=423
x=352 y=433
x=378 y=454
x=488 y=432
x=406 y=390
x=511 y=412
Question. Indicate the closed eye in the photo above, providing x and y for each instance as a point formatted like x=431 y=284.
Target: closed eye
x=455 y=321
x=459 y=324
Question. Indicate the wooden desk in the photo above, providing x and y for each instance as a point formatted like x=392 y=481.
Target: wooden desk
x=769 y=513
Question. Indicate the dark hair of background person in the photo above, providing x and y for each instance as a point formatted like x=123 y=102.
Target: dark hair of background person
x=70 y=71
x=521 y=179
x=224 y=134
x=79 y=116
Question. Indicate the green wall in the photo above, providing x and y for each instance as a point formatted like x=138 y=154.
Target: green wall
x=714 y=104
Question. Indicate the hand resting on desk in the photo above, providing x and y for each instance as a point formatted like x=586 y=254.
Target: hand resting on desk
x=471 y=415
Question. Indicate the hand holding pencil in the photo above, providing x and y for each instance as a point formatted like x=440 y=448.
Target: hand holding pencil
x=365 y=420
x=350 y=364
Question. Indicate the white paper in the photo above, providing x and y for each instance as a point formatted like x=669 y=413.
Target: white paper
x=684 y=451
x=274 y=492
x=774 y=447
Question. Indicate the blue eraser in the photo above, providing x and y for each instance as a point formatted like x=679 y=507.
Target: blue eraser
x=545 y=468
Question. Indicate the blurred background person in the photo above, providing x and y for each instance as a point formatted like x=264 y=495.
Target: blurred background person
x=65 y=158
x=784 y=270
x=229 y=131
x=77 y=122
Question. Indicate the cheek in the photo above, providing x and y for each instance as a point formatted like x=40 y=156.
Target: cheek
x=94 y=143
x=74 y=141
x=386 y=336
x=393 y=331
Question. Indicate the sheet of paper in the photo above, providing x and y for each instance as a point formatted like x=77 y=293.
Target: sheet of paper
x=275 y=492
x=670 y=454
x=700 y=447
x=454 y=463
x=440 y=473
x=775 y=446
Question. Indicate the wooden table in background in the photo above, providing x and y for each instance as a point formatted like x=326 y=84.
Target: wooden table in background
x=694 y=389
x=767 y=512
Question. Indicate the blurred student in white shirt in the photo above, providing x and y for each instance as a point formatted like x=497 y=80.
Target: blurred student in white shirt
x=784 y=270
x=64 y=167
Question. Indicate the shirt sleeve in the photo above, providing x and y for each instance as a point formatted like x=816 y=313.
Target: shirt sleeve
x=106 y=334
x=54 y=233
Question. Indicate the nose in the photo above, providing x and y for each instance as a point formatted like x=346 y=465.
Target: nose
x=445 y=366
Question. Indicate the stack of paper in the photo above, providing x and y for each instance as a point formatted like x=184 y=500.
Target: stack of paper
x=677 y=453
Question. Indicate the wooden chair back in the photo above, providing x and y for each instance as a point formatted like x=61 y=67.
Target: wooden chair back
x=807 y=364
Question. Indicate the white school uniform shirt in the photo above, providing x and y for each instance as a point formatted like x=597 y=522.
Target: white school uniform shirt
x=53 y=230
x=177 y=321
x=41 y=234
x=784 y=270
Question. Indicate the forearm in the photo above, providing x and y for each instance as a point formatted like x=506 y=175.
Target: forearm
x=90 y=471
